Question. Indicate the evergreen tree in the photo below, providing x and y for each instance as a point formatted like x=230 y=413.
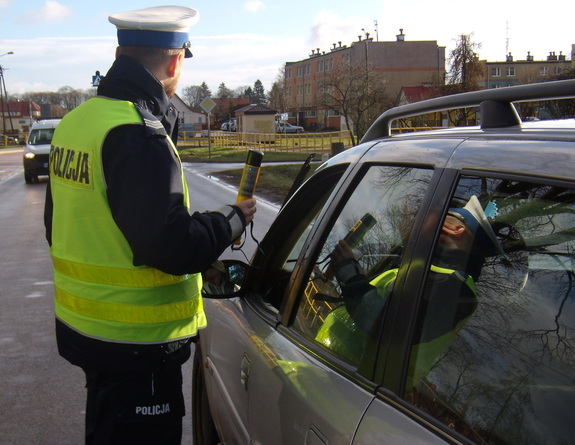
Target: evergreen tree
x=259 y=93
x=224 y=91
x=249 y=93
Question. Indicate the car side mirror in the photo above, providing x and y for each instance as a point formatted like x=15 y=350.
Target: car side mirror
x=224 y=279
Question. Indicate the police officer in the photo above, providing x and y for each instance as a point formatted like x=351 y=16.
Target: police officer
x=127 y=254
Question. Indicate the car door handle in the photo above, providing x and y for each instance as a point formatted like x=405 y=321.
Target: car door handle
x=245 y=371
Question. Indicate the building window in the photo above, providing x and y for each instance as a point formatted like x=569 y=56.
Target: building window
x=496 y=72
x=510 y=71
x=310 y=113
x=332 y=113
x=304 y=70
x=544 y=71
x=558 y=70
x=329 y=64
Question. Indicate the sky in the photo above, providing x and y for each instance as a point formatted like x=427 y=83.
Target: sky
x=60 y=43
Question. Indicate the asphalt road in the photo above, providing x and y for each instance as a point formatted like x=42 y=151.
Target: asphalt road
x=41 y=395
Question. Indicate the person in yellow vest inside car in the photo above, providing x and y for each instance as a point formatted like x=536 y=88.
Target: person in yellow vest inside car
x=127 y=254
x=449 y=298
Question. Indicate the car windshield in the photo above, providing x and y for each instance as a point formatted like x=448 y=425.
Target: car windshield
x=41 y=136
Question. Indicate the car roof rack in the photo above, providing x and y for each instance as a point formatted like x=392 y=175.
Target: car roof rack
x=496 y=105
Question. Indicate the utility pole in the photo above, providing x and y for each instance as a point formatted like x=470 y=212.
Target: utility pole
x=4 y=97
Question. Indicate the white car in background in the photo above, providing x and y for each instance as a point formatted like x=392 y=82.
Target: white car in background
x=286 y=127
x=37 y=149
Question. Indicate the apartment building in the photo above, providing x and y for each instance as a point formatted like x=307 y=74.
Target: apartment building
x=529 y=70
x=403 y=63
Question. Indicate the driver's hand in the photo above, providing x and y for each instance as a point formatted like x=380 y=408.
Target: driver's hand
x=248 y=208
x=342 y=251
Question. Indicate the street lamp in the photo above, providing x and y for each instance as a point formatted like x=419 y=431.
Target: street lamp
x=5 y=54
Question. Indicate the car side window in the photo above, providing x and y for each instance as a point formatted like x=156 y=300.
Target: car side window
x=352 y=279
x=286 y=237
x=493 y=353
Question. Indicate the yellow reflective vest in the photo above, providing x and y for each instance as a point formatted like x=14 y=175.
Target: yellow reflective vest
x=340 y=333
x=98 y=290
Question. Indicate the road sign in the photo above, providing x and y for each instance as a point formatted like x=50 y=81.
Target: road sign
x=96 y=79
x=207 y=104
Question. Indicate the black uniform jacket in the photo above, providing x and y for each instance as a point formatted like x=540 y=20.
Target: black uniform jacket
x=144 y=188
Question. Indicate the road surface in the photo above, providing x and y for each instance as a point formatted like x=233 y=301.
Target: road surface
x=41 y=395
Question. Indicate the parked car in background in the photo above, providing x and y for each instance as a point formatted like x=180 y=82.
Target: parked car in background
x=6 y=139
x=37 y=149
x=230 y=125
x=450 y=318
x=286 y=127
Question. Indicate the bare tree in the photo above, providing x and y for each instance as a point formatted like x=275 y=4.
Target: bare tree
x=561 y=109
x=242 y=91
x=466 y=71
x=277 y=96
x=194 y=94
x=464 y=75
x=66 y=97
x=359 y=93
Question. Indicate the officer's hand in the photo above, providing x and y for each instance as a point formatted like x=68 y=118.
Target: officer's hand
x=248 y=208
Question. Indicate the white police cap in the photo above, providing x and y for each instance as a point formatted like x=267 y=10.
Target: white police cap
x=473 y=215
x=161 y=26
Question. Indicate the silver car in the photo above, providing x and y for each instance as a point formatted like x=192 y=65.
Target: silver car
x=418 y=288
x=286 y=127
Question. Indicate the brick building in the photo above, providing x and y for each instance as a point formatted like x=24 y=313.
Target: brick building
x=403 y=62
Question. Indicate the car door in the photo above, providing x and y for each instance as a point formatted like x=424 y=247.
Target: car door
x=234 y=344
x=502 y=372
x=307 y=387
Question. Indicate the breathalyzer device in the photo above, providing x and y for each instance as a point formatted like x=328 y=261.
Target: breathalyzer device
x=250 y=175
x=359 y=229
x=249 y=179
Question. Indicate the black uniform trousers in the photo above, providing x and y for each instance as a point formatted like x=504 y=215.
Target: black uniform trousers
x=135 y=408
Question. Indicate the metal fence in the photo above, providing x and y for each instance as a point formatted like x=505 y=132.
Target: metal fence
x=301 y=142
x=6 y=141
